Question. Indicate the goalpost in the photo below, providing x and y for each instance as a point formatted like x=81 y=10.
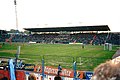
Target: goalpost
x=107 y=46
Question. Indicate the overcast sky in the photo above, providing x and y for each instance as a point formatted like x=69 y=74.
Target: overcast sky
x=51 y=13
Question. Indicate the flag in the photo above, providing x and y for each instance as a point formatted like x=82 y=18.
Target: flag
x=74 y=41
x=94 y=37
x=12 y=70
x=91 y=41
x=15 y=2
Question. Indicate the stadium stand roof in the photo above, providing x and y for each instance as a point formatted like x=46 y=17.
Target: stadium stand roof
x=70 y=29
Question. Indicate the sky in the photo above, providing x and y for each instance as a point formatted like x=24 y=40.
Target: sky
x=59 y=13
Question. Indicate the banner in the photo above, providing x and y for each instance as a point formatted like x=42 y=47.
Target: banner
x=53 y=71
x=89 y=75
x=81 y=74
x=65 y=72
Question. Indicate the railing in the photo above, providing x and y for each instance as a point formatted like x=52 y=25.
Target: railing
x=83 y=63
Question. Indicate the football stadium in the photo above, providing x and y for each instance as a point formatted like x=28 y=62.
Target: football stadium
x=78 y=49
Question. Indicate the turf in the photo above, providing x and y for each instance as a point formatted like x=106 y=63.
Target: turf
x=64 y=54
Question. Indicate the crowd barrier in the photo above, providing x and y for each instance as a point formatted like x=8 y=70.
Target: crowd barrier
x=25 y=75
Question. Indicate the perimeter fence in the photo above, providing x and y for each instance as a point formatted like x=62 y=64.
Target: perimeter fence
x=83 y=63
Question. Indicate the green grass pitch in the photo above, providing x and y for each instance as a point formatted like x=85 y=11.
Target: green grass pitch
x=64 y=54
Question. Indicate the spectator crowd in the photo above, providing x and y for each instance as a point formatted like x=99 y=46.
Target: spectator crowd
x=86 y=38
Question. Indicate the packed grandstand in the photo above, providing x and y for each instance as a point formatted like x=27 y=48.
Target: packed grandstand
x=65 y=35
